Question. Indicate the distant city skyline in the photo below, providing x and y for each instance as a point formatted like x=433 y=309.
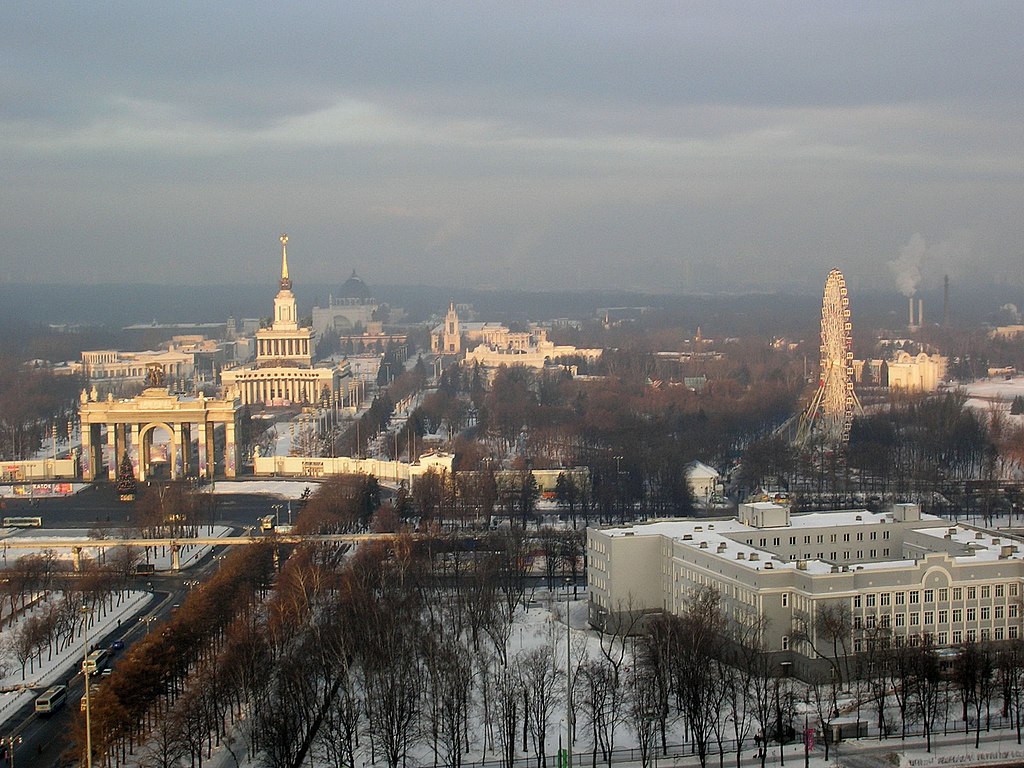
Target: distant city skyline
x=680 y=148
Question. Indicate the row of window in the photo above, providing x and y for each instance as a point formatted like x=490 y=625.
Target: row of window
x=833 y=556
x=957 y=636
x=985 y=613
x=942 y=595
x=833 y=538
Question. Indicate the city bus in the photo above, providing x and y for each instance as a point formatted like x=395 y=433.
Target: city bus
x=52 y=699
x=94 y=660
x=23 y=522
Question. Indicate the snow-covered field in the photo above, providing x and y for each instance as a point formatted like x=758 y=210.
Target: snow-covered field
x=998 y=387
x=285 y=489
x=997 y=393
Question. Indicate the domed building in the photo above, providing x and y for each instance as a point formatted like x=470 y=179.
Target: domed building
x=352 y=310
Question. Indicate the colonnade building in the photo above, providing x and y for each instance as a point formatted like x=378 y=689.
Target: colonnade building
x=902 y=574
x=283 y=372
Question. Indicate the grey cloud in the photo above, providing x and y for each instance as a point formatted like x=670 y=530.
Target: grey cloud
x=581 y=143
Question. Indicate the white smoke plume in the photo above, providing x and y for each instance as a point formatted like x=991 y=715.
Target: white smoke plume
x=907 y=268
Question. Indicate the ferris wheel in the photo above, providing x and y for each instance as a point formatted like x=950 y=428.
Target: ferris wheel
x=830 y=412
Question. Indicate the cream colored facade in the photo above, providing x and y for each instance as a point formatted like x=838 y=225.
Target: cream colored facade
x=915 y=373
x=902 y=573
x=912 y=373
x=536 y=356
x=283 y=372
x=110 y=428
x=112 y=364
x=448 y=340
x=1006 y=331
x=321 y=466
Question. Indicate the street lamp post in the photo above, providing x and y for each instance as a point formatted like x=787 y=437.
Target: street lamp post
x=568 y=679
x=12 y=741
x=807 y=733
x=85 y=673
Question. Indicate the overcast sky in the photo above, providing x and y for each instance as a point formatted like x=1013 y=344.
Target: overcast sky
x=681 y=147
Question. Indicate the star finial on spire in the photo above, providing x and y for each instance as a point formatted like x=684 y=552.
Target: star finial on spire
x=286 y=283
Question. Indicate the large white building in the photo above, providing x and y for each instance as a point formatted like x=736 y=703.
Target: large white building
x=283 y=372
x=911 y=373
x=904 y=573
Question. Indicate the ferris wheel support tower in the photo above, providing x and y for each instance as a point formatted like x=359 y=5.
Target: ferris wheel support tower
x=831 y=410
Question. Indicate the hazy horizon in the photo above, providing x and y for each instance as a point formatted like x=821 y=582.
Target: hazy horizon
x=670 y=148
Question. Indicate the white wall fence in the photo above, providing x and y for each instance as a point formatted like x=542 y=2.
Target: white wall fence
x=322 y=466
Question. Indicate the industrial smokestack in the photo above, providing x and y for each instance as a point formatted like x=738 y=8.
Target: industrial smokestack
x=910 y=321
x=920 y=313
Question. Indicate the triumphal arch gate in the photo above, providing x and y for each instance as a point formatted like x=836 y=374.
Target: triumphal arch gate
x=131 y=424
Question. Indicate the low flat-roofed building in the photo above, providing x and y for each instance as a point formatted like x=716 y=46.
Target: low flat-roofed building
x=901 y=573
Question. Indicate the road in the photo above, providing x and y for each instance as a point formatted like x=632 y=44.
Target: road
x=99 y=506
x=45 y=739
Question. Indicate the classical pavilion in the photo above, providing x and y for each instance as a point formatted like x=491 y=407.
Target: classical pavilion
x=283 y=372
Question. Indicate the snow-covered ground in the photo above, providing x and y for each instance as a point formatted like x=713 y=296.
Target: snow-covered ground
x=285 y=489
x=998 y=387
x=997 y=392
x=50 y=670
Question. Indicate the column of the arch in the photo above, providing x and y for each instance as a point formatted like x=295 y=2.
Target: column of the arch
x=88 y=453
x=145 y=444
x=112 y=452
x=175 y=447
x=204 y=454
x=135 y=446
x=230 y=450
x=186 y=448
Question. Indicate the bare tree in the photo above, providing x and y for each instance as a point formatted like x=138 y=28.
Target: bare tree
x=597 y=681
x=508 y=693
x=644 y=710
x=1010 y=666
x=164 y=748
x=973 y=675
x=928 y=686
x=541 y=683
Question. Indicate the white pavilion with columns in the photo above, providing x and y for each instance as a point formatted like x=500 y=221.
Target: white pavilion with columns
x=283 y=372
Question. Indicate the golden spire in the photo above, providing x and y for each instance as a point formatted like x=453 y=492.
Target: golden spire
x=286 y=283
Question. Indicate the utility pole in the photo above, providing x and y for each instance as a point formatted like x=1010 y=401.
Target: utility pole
x=85 y=673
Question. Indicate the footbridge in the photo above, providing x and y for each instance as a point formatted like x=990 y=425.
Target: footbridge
x=175 y=544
